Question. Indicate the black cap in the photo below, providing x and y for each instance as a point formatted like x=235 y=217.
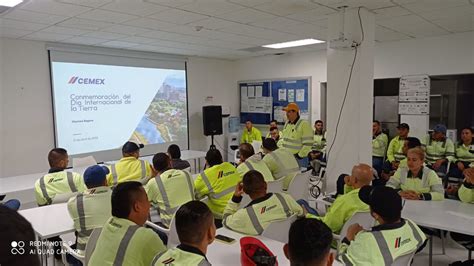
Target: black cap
x=269 y=144
x=382 y=200
x=403 y=125
x=130 y=147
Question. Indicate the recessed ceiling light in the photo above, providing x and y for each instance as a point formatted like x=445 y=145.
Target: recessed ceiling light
x=10 y=3
x=292 y=43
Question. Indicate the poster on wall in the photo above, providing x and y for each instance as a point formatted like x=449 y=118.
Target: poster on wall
x=414 y=95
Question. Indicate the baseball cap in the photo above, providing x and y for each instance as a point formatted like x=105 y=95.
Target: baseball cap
x=292 y=106
x=131 y=146
x=382 y=200
x=403 y=125
x=95 y=175
x=253 y=252
x=440 y=128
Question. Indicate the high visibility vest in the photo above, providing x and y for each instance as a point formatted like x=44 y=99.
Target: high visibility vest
x=253 y=219
x=169 y=191
x=178 y=257
x=249 y=137
x=465 y=153
x=466 y=192
x=129 y=169
x=282 y=164
x=297 y=138
x=379 y=145
x=218 y=183
x=395 y=150
x=436 y=150
x=319 y=142
x=382 y=246
x=430 y=185
x=122 y=242
x=52 y=184
x=89 y=210
x=255 y=164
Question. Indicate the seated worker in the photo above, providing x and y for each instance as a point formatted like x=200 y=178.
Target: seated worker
x=250 y=133
x=90 y=209
x=439 y=150
x=251 y=161
x=319 y=140
x=394 y=237
x=379 y=146
x=345 y=205
x=264 y=208
x=124 y=240
x=130 y=168
x=273 y=126
x=464 y=154
x=169 y=189
x=196 y=231
x=175 y=154
x=309 y=243
x=281 y=162
x=394 y=151
x=417 y=182
x=216 y=182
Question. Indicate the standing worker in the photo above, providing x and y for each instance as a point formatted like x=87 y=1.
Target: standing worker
x=379 y=146
x=250 y=133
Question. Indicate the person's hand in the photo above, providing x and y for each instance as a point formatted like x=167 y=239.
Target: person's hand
x=460 y=166
x=409 y=195
x=451 y=190
x=239 y=190
x=353 y=230
x=395 y=165
x=438 y=164
x=469 y=175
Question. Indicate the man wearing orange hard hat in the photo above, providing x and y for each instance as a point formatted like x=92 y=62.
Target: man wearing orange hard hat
x=297 y=135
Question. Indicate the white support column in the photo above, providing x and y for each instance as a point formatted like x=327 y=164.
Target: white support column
x=353 y=142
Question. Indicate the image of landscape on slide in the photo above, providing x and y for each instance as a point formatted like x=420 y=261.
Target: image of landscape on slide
x=165 y=119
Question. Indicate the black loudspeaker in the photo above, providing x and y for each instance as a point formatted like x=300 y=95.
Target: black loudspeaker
x=212 y=120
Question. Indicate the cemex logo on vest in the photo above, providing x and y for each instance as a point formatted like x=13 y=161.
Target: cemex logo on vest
x=79 y=80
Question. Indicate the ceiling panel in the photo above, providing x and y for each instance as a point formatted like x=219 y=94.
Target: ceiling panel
x=123 y=29
x=34 y=17
x=449 y=12
x=104 y=35
x=89 y=3
x=286 y=8
x=260 y=33
x=13 y=33
x=412 y=25
x=53 y=7
x=149 y=23
x=170 y=3
x=279 y=24
x=214 y=23
x=85 y=24
x=65 y=30
x=107 y=16
x=461 y=24
x=390 y=12
x=178 y=16
x=211 y=7
x=313 y=15
x=21 y=25
x=85 y=40
x=430 y=5
x=383 y=34
x=250 y=3
x=118 y=44
x=137 y=39
x=47 y=36
x=137 y=8
x=247 y=15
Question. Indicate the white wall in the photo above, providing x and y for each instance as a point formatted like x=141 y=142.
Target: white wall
x=27 y=118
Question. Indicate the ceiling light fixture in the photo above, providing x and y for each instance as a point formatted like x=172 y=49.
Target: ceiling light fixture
x=292 y=43
x=10 y=3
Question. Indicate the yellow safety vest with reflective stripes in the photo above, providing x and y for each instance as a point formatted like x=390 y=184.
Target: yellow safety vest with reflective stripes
x=297 y=138
x=122 y=242
x=427 y=183
x=319 y=142
x=282 y=164
x=218 y=183
x=465 y=153
x=129 y=169
x=395 y=150
x=436 y=150
x=382 y=245
x=466 y=193
x=253 y=219
x=169 y=191
x=179 y=257
x=254 y=164
x=249 y=137
x=379 y=145
x=52 y=184
x=89 y=210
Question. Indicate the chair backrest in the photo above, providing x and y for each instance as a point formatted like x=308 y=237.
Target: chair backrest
x=62 y=198
x=404 y=260
x=83 y=161
x=279 y=230
x=361 y=217
x=173 y=239
x=275 y=186
x=91 y=243
x=257 y=145
x=299 y=186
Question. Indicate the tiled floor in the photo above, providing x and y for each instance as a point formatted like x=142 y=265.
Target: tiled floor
x=453 y=253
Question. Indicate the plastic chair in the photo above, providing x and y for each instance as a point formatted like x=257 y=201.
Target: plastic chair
x=363 y=218
x=278 y=230
x=404 y=260
x=83 y=161
x=275 y=186
x=299 y=186
x=68 y=250
x=91 y=243
x=171 y=232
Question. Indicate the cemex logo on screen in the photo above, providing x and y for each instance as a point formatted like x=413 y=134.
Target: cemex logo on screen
x=79 y=80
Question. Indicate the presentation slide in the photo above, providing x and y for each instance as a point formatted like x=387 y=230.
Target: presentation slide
x=100 y=107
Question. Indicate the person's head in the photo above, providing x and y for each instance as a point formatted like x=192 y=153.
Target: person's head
x=274 y=134
x=129 y=201
x=273 y=123
x=385 y=203
x=248 y=125
x=213 y=157
x=415 y=159
x=58 y=158
x=174 y=152
x=309 y=243
x=131 y=149
x=195 y=224
x=403 y=130
x=161 y=162
x=269 y=145
x=439 y=132
x=292 y=111
x=467 y=134
x=410 y=143
x=254 y=184
x=95 y=176
x=376 y=127
x=318 y=126
x=361 y=175
x=245 y=150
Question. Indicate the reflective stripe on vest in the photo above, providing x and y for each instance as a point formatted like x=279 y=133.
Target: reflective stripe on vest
x=416 y=234
x=81 y=212
x=383 y=247
x=70 y=181
x=168 y=210
x=282 y=200
x=124 y=244
x=211 y=189
x=44 y=191
x=253 y=218
x=249 y=165
x=285 y=172
x=113 y=170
